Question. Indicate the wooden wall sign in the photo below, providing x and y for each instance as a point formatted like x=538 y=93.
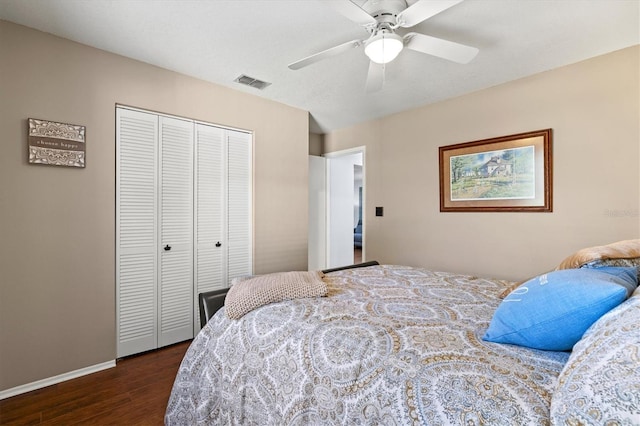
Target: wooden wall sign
x=56 y=144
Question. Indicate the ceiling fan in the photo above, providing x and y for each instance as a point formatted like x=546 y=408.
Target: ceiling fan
x=381 y=18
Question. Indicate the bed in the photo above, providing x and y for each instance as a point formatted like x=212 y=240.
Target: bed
x=396 y=345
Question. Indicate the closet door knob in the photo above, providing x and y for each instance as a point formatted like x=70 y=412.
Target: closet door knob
x=218 y=244
x=167 y=247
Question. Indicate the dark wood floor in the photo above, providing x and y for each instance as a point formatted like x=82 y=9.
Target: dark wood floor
x=357 y=255
x=134 y=392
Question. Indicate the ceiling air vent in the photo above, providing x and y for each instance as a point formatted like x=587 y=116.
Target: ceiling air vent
x=250 y=81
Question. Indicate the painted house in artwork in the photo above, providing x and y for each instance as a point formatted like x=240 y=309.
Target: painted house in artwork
x=496 y=166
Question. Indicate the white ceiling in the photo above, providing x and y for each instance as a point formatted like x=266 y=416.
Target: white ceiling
x=218 y=40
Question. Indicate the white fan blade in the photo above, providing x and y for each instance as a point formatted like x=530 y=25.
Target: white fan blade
x=439 y=47
x=375 y=77
x=336 y=50
x=351 y=11
x=423 y=9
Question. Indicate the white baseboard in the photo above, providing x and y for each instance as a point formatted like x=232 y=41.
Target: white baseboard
x=8 y=393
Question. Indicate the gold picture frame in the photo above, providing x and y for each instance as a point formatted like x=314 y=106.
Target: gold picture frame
x=504 y=174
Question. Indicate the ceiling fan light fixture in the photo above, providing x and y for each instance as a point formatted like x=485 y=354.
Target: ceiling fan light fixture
x=384 y=47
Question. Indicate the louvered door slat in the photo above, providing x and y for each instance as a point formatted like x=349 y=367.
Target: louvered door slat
x=136 y=230
x=176 y=229
x=209 y=268
x=239 y=210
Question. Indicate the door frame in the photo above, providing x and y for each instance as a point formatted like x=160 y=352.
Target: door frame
x=337 y=154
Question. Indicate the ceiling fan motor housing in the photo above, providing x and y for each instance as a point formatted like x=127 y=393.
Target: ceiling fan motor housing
x=384 y=11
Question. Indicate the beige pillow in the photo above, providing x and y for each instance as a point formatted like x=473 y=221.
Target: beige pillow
x=247 y=294
x=626 y=249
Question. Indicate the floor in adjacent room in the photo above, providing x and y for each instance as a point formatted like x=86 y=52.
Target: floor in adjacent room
x=134 y=392
x=357 y=255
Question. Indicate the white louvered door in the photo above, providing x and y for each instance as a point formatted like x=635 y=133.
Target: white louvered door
x=183 y=223
x=210 y=245
x=136 y=231
x=239 y=204
x=176 y=229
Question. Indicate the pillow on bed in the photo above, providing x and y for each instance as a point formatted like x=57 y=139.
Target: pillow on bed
x=504 y=293
x=552 y=311
x=633 y=262
x=600 y=384
x=627 y=249
x=249 y=293
x=620 y=253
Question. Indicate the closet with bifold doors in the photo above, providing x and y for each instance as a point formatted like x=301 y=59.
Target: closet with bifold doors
x=183 y=222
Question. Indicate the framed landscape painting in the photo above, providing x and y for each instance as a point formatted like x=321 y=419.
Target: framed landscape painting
x=504 y=174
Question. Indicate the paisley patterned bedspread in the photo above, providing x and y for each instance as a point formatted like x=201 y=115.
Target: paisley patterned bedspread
x=390 y=345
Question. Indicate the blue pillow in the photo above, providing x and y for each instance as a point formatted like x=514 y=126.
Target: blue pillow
x=552 y=311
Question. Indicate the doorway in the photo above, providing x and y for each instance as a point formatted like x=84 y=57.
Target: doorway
x=345 y=212
x=337 y=196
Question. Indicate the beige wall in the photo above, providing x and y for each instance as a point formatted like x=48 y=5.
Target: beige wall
x=593 y=108
x=57 y=224
x=316 y=144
